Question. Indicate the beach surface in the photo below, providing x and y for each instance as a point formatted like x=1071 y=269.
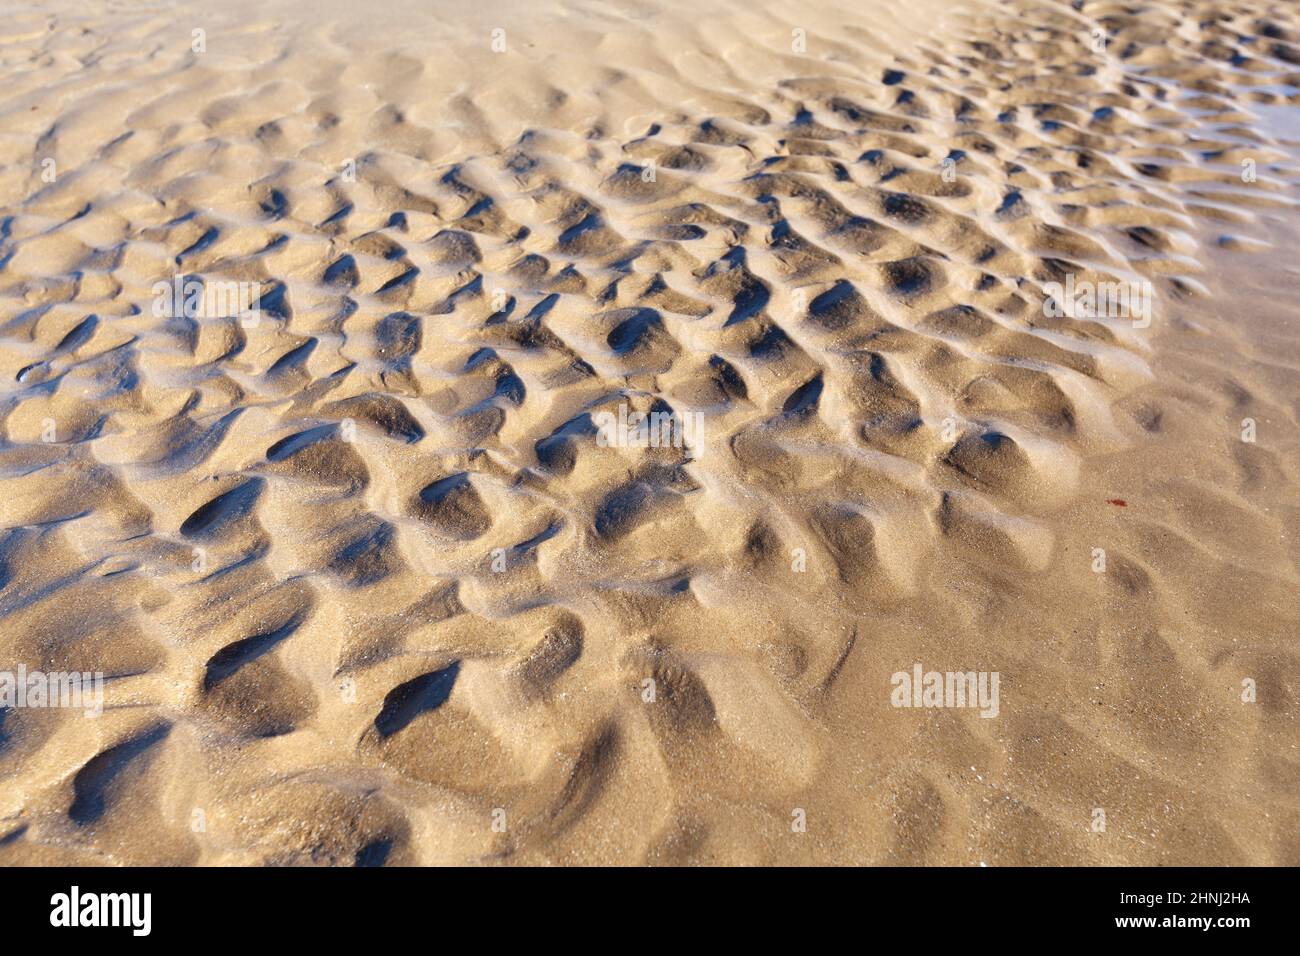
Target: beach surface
x=962 y=529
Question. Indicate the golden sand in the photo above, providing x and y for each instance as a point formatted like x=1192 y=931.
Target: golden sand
x=376 y=574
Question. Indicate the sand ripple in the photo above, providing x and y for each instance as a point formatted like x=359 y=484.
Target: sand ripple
x=370 y=586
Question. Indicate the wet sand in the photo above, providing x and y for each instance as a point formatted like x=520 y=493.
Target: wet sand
x=371 y=579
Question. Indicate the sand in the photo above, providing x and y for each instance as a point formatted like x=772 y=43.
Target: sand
x=372 y=574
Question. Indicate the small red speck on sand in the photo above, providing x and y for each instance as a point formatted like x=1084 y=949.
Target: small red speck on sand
x=1117 y=501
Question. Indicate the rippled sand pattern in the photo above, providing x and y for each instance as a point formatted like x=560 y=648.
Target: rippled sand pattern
x=368 y=589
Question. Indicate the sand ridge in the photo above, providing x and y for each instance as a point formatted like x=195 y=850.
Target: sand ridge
x=369 y=587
